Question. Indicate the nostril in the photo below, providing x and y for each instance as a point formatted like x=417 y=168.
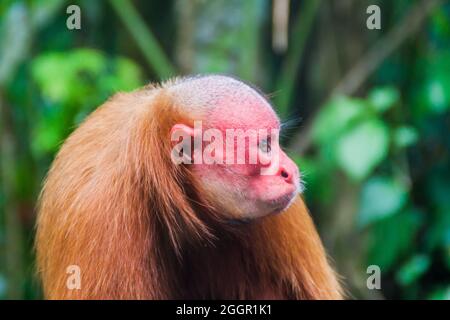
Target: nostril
x=284 y=174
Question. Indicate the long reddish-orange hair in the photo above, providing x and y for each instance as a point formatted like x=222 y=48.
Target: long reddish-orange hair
x=140 y=227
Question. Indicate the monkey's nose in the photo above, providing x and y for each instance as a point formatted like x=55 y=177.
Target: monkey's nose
x=286 y=175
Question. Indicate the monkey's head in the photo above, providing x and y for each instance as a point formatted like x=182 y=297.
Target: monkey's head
x=231 y=145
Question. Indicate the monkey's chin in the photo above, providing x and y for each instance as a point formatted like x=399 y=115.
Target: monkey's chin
x=282 y=203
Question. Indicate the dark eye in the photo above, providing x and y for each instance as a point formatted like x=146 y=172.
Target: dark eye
x=265 y=145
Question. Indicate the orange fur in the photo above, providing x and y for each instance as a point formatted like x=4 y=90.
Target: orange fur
x=140 y=227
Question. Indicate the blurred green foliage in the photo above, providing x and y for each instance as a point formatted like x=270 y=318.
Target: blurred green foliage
x=377 y=169
x=70 y=84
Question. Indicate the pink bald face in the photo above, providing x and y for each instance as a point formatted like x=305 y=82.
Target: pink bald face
x=247 y=189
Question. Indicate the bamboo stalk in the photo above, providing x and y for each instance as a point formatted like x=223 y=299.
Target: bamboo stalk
x=145 y=39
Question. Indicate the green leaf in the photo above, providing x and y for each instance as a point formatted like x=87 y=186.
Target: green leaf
x=52 y=75
x=413 y=269
x=381 y=197
x=362 y=148
x=48 y=134
x=83 y=76
x=65 y=77
x=405 y=136
x=335 y=117
x=383 y=98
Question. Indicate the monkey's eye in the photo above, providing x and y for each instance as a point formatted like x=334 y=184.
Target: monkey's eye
x=265 y=145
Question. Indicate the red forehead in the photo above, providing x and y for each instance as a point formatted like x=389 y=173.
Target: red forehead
x=248 y=112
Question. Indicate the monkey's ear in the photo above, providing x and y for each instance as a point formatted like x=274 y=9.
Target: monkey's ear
x=181 y=148
x=180 y=129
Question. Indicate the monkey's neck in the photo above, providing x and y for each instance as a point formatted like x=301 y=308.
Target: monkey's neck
x=228 y=268
x=278 y=257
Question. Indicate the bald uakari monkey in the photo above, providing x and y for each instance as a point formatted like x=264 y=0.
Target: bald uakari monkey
x=139 y=225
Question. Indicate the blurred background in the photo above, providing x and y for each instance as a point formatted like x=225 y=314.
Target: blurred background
x=366 y=112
